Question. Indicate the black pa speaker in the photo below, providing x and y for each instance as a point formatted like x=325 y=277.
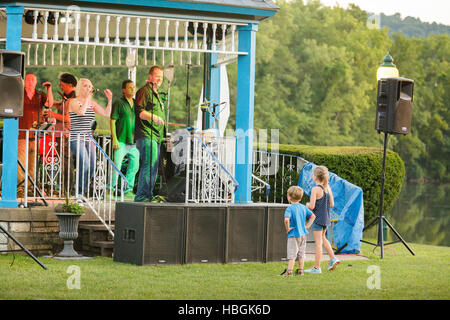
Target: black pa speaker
x=11 y=83
x=245 y=233
x=176 y=189
x=149 y=234
x=394 y=105
x=276 y=238
x=205 y=234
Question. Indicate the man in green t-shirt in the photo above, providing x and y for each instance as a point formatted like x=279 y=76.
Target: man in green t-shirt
x=149 y=132
x=122 y=125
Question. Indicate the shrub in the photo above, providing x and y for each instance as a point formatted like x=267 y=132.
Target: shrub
x=69 y=207
x=360 y=166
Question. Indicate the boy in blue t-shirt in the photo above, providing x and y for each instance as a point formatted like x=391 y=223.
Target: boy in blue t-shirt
x=295 y=218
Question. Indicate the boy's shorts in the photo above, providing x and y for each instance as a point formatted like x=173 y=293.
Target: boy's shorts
x=296 y=248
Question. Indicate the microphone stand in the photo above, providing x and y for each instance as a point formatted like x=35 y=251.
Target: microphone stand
x=215 y=114
x=188 y=98
x=167 y=111
x=150 y=191
x=39 y=109
x=37 y=137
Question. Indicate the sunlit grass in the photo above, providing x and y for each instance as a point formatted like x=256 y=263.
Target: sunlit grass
x=402 y=276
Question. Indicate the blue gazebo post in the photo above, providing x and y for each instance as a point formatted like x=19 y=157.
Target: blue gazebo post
x=11 y=126
x=245 y=100
x=214 y=87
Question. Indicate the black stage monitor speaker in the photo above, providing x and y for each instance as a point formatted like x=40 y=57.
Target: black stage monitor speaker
x=394 y=105
x=205 y=234
x=11 y=83
x=149 y=234
x=245 y=233
x=176 y=189
x=276 y=239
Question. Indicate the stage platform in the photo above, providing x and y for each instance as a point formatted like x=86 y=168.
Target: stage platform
x=152 y=234
x=170 y=233
x=166 y=233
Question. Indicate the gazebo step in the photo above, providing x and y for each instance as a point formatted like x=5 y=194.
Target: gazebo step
x=106 y=247
x=103 y=244
x=94 y=227
x=95 y=239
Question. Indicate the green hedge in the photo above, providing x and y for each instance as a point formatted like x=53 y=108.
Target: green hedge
x=360 y=166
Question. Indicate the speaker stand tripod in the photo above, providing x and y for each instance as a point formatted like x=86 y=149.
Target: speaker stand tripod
x=22 y=247
x=381 y=218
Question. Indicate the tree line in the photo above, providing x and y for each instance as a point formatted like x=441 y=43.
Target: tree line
x=316 y=82
x=412 y=27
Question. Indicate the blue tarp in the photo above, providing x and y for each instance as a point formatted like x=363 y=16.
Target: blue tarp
x=348 y=208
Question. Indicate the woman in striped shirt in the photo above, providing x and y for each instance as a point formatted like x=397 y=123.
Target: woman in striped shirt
x=82 y=111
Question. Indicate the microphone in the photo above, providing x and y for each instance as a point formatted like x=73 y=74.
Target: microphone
x=205 y=103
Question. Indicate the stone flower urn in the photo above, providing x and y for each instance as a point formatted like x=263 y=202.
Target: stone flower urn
x=68 y=231
x=68 y=215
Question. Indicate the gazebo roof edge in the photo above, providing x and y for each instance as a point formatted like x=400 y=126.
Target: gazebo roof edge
x=239 y=9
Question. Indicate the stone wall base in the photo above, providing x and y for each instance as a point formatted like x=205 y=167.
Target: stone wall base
x=36 y=228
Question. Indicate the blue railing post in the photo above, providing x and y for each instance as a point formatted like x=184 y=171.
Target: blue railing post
x=245 y=100
x=11 y=126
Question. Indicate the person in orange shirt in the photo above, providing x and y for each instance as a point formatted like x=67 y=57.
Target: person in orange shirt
x=33 y=102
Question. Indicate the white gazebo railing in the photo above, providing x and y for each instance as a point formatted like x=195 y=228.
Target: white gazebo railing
x=274 y=172
x=80 y=38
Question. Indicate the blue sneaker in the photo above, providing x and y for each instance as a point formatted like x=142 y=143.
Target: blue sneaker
x=313 y=270
x=333 y=263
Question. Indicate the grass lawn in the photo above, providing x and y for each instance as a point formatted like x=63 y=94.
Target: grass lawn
x=402 y=276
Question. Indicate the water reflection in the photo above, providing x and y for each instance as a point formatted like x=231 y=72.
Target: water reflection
x=420 y=215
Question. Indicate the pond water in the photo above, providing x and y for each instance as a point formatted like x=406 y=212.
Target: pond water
x=421 y=214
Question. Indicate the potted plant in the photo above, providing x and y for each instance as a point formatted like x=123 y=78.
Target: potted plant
x=68 y=216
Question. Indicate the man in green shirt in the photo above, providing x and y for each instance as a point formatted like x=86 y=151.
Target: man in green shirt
x=122 y=125
x=149 y=132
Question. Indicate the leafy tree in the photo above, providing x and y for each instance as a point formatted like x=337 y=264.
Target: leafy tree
x=316 y=81
x=412 y=27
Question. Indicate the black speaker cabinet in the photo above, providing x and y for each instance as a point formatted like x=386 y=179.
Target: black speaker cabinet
x=11 y=83
x=205 y=234
x=245 y=233
x=276 y=238
x=394 y=105
x=177 y=189
x=149 y=234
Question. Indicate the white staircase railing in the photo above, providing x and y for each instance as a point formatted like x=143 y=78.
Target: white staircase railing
x=52 y=170
x=209 y=175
